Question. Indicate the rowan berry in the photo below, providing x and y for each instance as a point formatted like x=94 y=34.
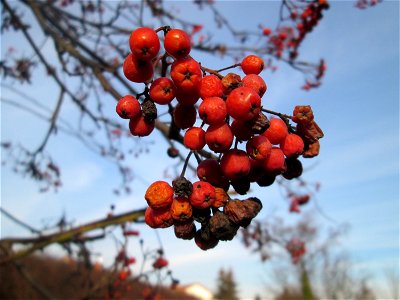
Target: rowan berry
x=187 y=97
x=138 y=126
x=186 y=74
x=205 y=241
x=177 y=43
x=160 y=263
x=158 y=218
x=128 y=107
x=241 y=130
x=277 y=131
x=243 y=103
x=252 y=64
x=294 y=168
x=258 y=147
x=212 y=110
x=235 y=164
x=162 y=90
x=256 y=83
x=209 y=170
x=211 y=86
x=185 y=230
x=159 y=195
x=195 y=138
x=203 y=195
x=184 y=116
x=219 y=138
x=292 y=145
x=181 y=209
x=144 y=43
x=303 y=114
x=275 y=161
x=221 y=198
x=137 y=70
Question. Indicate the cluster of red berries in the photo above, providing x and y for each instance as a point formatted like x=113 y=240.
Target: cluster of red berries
x=230 y=109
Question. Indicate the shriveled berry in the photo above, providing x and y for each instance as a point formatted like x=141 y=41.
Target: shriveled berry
x=259 y=124
x=303 y=114
x=230 y=82
x=205 y=241
x=185 y=230
x=149 y=111
x=181 y=209
x=159 y=195
x=221 y=198
x=201 y=215
x=182 y=187
x=222 y=228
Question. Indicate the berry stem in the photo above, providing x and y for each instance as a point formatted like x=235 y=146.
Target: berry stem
x=227 y=68
x=282 y=116
x=186 y=164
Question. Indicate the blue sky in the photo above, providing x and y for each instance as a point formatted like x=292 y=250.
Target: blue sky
x=357 y=107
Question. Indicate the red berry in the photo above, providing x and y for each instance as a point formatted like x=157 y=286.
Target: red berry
x=277 y=131
x=209 y=170
x=256 y=83
x=162 y=90
x=137 y=70
x=211 y=86
x=160 y=263
x=144 y=43
x=275 y=162
x=243 y=103
x=184 y=116
x=195 y=138
x=140 y=127
x=177 y=43
x=258 y=147
x=252 y=64
x=186 y=74
x=159 y=195
x=241 y=130
x=203 y=195
x=128 y=107
x=292 y=145
x=212 y=110
x=158 y=218
x=219 y=138
x=187 y=97
x=235 y=164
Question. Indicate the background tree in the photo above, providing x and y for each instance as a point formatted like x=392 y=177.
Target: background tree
x=226 y=286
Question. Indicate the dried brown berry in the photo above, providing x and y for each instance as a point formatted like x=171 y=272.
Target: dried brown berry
x=242 y=212
x=230 y=82
x=149 y=111
x=222 y=228
x=259 y=124
x=201 y=215
x=173 y=152
x=311 y=150
x=182 y=187
x=309 y=133
x=303 y=114
x=185 y=230
x=204 y=239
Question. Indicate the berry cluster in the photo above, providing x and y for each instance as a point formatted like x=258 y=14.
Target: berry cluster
x=231 y=113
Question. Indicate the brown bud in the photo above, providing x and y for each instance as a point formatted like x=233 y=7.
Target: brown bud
x=230 y=82
x=222 y=228
x=185 y=230
x=149 y=110
x=182 y=187
x=259 y=124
